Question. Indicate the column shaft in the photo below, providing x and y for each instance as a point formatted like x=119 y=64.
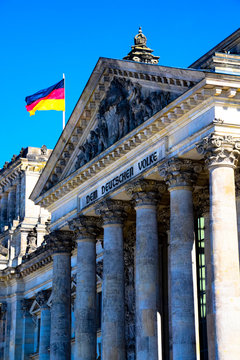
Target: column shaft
x=60 y=340
x=85 y=303
x=146 y=276
x=225 y=262
x=181 y=273
x=113 y=334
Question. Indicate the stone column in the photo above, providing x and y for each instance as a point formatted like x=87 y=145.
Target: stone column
x=221 y=155
x=113 y=331
x=145 y=194
x=60 y=338
x=28 y=329
x=179 y=175
x=11 y=205
x=45 y=324
x=85 y=302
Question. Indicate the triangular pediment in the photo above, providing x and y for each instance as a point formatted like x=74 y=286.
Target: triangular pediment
x=118 y=98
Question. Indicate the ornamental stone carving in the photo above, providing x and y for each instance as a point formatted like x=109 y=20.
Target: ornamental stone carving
x=145 y=192
x=60 y=241
x=31 y=241
x=112 y=211
x=201 y=201
x=42 y=298
x=85 y=227
x=179 y=172
x=219 y=150
x=26 y=306
x=126 y=105
x=163 y=218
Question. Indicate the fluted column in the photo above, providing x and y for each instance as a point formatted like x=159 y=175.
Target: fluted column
x=113 y=332
x=221 y=154
x=145 y=193
x=60 y=338
x=85 y=302
x=45 y=324
x=179 y=175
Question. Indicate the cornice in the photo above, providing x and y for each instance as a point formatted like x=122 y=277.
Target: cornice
x=9 y=176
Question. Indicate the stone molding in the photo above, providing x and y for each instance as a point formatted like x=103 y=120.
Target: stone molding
x=60 y=241
x=201 y=201
x=219 y=150
x=85 y=227
x=42 y=298
x=179 y=172
x=112 y=211
x=145 y=192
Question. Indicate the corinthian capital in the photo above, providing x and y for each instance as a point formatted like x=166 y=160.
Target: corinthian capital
x=145 y=192
x=60 y=241
x=85 y=227
x=112 y=211
x=42 y=298
x=219 y=150
x=179 y=172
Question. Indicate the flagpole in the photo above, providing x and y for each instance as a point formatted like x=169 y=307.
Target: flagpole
x=65 y=103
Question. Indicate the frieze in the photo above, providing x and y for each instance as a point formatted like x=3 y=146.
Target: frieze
x=127 y=105
x=121 y=178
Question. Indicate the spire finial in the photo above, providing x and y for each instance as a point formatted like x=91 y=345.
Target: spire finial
x=140 y=52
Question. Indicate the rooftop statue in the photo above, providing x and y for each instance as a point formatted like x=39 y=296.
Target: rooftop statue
x=140 y=52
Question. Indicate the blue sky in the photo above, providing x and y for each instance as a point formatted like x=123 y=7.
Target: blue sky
x=41 y=40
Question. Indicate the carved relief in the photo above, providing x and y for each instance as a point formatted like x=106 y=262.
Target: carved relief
x=126 y=106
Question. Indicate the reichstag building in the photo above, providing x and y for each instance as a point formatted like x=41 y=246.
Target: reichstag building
x=122 y=242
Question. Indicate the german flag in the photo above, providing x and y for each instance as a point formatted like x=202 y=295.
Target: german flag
x=51 y=98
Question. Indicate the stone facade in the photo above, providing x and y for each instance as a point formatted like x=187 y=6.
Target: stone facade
x=140 y=259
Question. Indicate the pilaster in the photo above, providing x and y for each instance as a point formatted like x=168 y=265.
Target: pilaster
x=44 y=340
x=28 y=329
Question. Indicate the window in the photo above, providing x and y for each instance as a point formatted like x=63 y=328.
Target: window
x=201 y=282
